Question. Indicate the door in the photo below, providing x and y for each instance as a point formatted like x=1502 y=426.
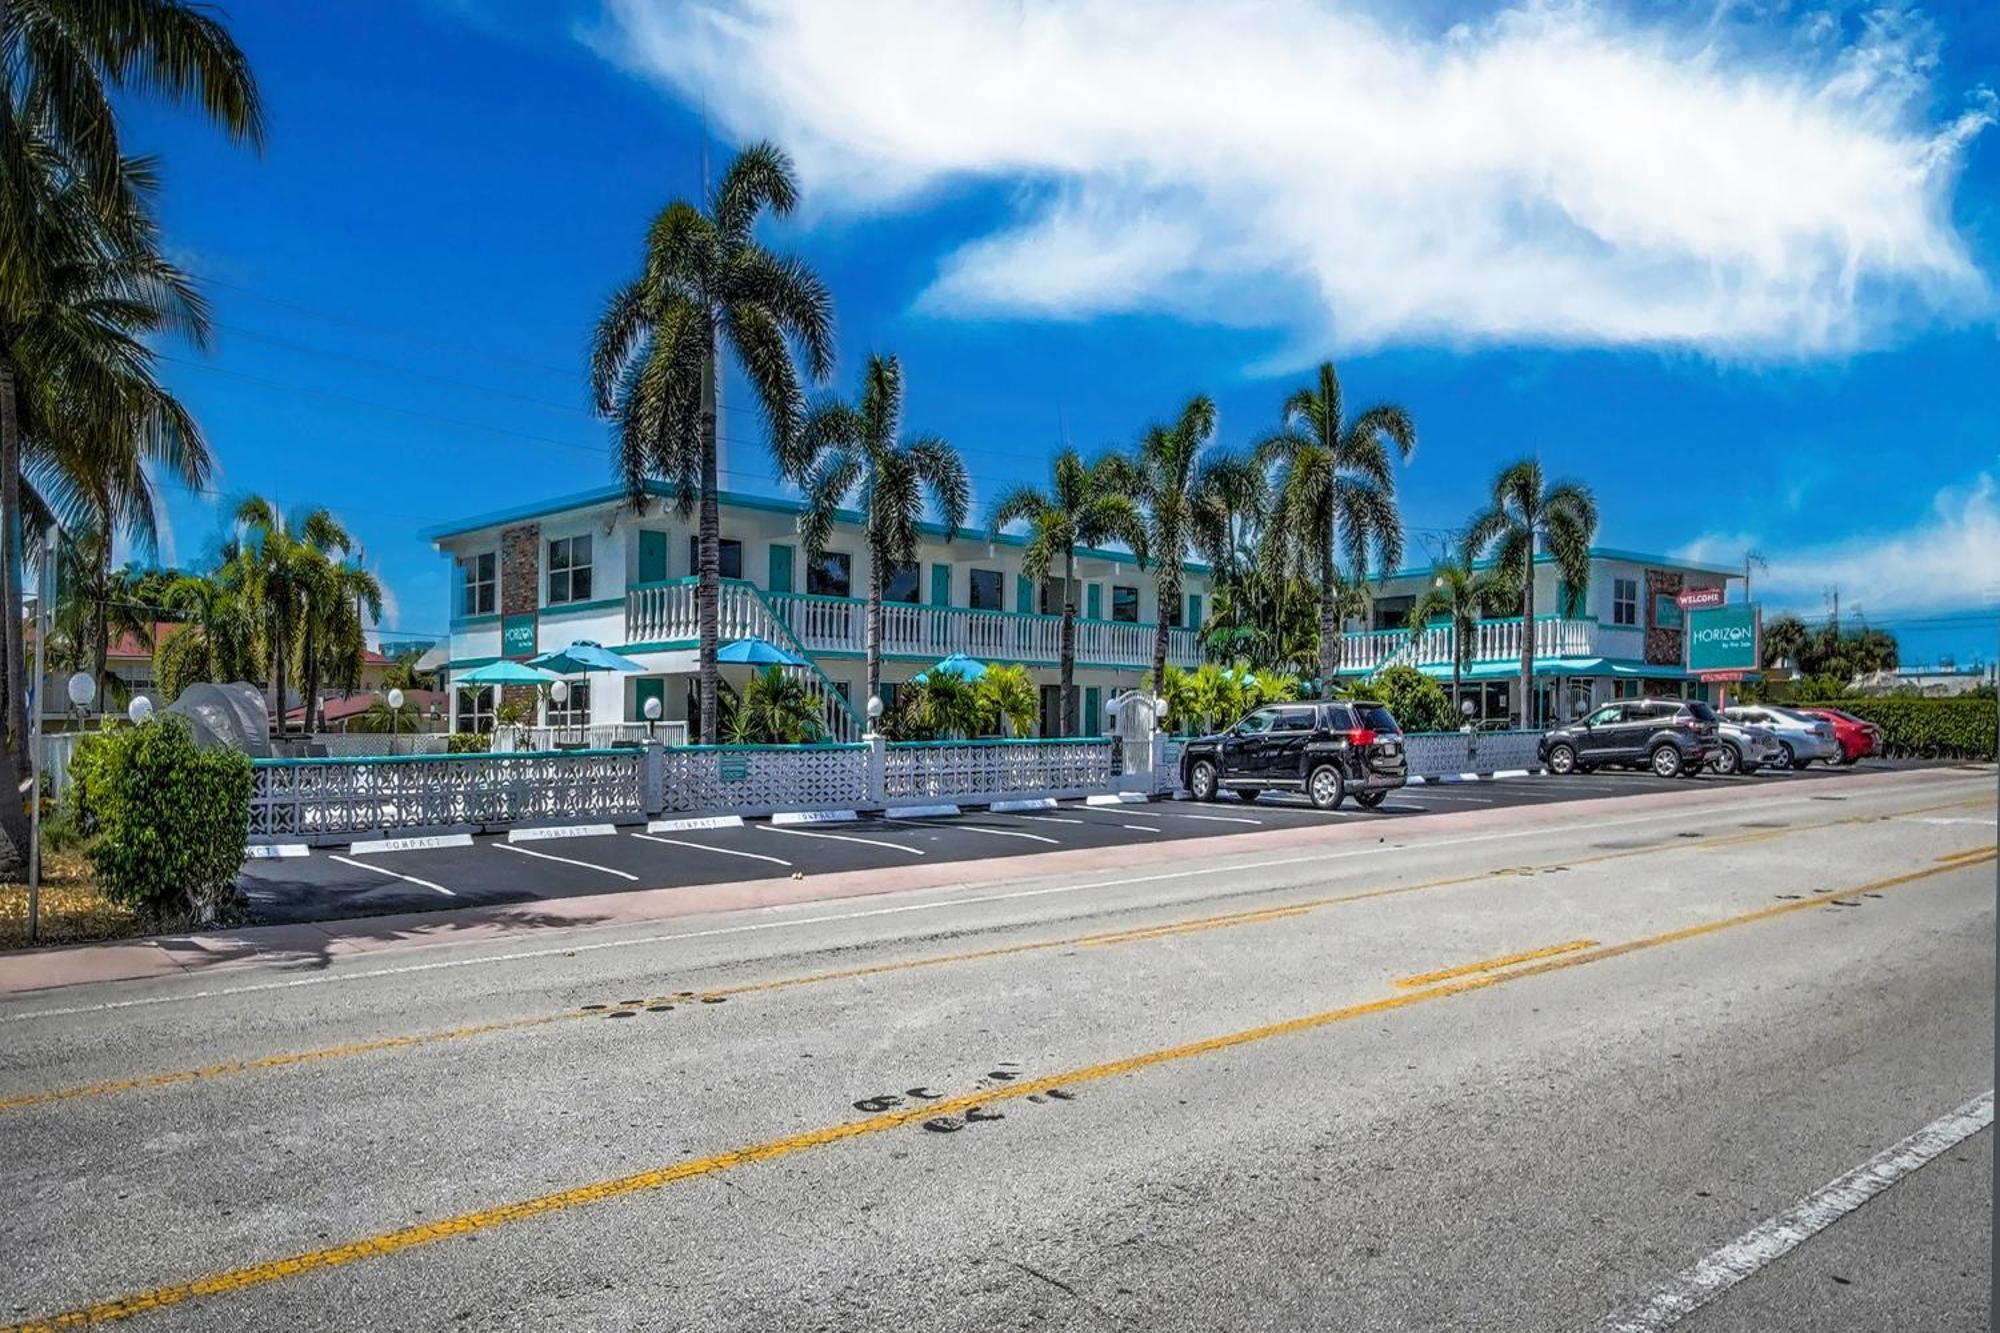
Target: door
x=1626 y=739
x=1285 y=744
x=1093 y=711
x=1243 y=746
x=781 y=567
x=1598 y=734
x=652 y=556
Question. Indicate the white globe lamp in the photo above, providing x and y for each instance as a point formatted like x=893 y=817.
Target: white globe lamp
x=139 y=710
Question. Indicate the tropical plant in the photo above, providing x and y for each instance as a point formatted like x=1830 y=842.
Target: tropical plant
x=655 y=367
x=1173 y=482
x=1337 y=492
x=1785 y=640
x=220 y=639
x=402 y=673
x=305 y=599
x=1271 y=687
x=1083 y=507
x=381 y=718
x=1230 y=505
x=1007 y=700
x=94 y=605
x=1528 y=513
x=1416 y=700
x=776 y=709
x=857 y=451
x=1459 y=595
x=171 y=819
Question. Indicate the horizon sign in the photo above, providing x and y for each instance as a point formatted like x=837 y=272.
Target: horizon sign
x=1724 y=638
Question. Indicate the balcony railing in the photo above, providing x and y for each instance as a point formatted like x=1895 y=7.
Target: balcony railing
x=1493 y=641
x=665 y=612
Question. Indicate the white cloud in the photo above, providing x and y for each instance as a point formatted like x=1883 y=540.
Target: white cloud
x=1555 y=173
x=1949 y=561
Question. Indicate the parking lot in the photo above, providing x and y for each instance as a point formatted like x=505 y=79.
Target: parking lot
x=332 y=882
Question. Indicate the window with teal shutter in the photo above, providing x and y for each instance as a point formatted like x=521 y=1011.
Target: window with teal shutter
x=1024 y=593
x=940 y=585
x=652 y=556
x=1194 y=610
x=781 y=567
x=1093 y=707
x=1093 y=601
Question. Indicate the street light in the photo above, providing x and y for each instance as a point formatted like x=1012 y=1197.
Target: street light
x=874 y=711
x=559 y=694
x=82 y=689
x=651 y=708
x=395 y=711
x=139 y=710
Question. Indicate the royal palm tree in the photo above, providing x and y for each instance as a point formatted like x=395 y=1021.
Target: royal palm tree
x=1084 y=506
x=1174 y=484
x=304 y=599
x=655 y=357
x=1336 y=492
x=1231 y=504
x=857 y=452
x=1458 y=595
x=1529 y=514
x=218 y=642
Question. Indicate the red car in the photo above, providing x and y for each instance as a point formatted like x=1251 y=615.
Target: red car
x=1858 y=737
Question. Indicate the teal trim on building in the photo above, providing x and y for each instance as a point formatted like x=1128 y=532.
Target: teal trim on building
x=579 y=608
x=467 y=622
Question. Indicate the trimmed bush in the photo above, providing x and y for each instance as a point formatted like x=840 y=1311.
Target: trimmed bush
x=466 y=742
x=1929 y=728
x=1419 y=703
x=171 y=820
x=79 y=795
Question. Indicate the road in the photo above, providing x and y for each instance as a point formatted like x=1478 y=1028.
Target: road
x=1518 y=1071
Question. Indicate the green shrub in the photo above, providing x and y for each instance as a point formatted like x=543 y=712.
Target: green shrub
x=1419 y=703
x=467 y=742
x=1961 y=728
x=171 y=820
x=79 y=802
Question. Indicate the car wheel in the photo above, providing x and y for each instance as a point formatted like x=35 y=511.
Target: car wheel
x=1726 y=761
x=1249 y=793
x=1326 y=787
x=1785 y=758
x=1850 y=760
x=1667 y=761
x=1562 y=760
x=1201 y=780
x=1370 y=799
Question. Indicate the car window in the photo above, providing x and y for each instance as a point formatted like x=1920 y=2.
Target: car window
x=1605 y=716
x=1339 y=717
x=1257 y=723
x=1378 y=718
x=1702 y=712
x=1294 y=719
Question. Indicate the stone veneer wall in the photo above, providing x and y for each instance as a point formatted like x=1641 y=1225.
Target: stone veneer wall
x=520 y=589
x=1663 y=644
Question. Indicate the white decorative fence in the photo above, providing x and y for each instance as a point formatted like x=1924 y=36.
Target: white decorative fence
x=979 y=771
x=763 y=779
x=1438 y=753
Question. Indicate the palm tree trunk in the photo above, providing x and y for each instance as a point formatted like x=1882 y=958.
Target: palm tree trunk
x=1068 y=686
x=1528 y=648
x=874 y=627
x=1329 y=618
x=14 y=770
x=309 y=651
x=1166 y=595
x=708 y=591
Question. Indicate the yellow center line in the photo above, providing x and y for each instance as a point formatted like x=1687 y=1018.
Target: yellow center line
x=1129 y=935
x=406 y=1238
x=1495 y=964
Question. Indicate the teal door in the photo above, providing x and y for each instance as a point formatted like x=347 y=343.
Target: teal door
x=1093 y=601
x=940 y=585
x=1194 y=610
x=1093 y=708
x=648 y=687
x=781 y=567
x=1024 y=593
x=652 y=556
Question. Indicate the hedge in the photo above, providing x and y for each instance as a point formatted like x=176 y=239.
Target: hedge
x=1928 y=728
x=1419 y=703
x=171 y=820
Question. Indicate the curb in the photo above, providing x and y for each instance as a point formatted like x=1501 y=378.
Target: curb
x=1476 y=777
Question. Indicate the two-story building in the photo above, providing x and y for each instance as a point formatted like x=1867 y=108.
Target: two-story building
x=1620 y=635
x=589 y=567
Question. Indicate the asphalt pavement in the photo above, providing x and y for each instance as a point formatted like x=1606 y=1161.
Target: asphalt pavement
x=1521 y=1074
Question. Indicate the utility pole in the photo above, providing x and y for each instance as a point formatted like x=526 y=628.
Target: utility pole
x=1751 y=558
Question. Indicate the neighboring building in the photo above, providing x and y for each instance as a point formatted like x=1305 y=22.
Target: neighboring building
x=587 y=567
x=339 y=712
x=1939 y=682
x=1620 y=636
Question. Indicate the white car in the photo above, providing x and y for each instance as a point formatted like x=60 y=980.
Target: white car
x=1801 y=739
x=1745 y=747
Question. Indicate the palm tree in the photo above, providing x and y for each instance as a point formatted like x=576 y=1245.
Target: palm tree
x=1528 y=514
x=844 y=450
x=304 y=601
x=333 y=644
x=1457 y=594
x=1084 y=506
x=219 y=640
x=1179 y=495
x=95 y=604
x=1337 y=492
x=776 y=709
x=655 y=356
x=1006 y=699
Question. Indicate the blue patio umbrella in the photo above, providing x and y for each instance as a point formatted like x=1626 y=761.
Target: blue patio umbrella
x=505 y=672
x=756 y=652
x=969 y=668
x=582 y=657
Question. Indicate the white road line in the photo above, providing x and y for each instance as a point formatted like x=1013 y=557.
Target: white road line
x=1428 y=795
x=569 y=949
x=392 y=874
x=843 y=837
x=1776 y=1237
x=1143 y=828
x=975 y=828
x=719 y=851
x=566 y=860
x=1213 y=819
x=1054 y=819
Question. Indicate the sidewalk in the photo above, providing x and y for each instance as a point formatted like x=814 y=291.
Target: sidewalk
x=322 y=943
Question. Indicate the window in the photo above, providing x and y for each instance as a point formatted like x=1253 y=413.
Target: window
x=1293 y=719
x=900 y=585
x=1052 y=595
x=1125 y=604
x=986 y=590
x=1701 y=711
x=832 y=575
x=573 y=711
x=1666 y=611
x=482 y=586
x=728 y=557
x=1257 y=723
x=1175 y=617
x=475 y=708
x=1604 y=716
x=569 y=570
x=1624 y=601
x=1378 y=718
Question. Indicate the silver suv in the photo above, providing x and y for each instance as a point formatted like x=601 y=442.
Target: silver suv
x=1802 y=739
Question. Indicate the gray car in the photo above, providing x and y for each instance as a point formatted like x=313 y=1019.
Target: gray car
x=1744 y=747
x=1801 y=739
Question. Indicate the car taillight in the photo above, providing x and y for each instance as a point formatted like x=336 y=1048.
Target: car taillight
x=1360 y=736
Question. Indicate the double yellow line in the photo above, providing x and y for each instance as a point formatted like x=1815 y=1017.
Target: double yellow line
x=603 y=1191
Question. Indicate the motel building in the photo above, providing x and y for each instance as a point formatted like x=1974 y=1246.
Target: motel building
x=588 y=567
x=1623 y=635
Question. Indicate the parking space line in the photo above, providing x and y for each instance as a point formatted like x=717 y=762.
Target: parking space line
x=719 y=851
x=976 y=828
x=566 y=860
x=1215 y=819
x=1427 y=794
x=843 y=837
x=392 y=874
x=1143 y=828
x=1054 y=819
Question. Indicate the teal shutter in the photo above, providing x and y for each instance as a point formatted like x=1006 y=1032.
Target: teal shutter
x=781 y=567
x=652 y=556
x=1093 y=601
x=1024 y=593
x=1194 y=610
x=1093 y=707
x=940 y=585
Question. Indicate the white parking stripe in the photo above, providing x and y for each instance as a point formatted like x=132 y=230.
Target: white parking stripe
x=1776 y=1237
x=843 y=837
x=976 y=828
x=1214 y=819
x=1055 y=819
x=392 y=874
x=1143 y=828
x=568 y=861
x=719 y=851
x=1428 y=795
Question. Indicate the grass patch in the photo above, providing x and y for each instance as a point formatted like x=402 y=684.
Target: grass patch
x=73 y=911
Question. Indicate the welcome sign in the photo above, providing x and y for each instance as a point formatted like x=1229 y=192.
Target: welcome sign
x=1724 y=638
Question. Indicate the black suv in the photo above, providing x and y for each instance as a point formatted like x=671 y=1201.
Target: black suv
x=1670 y=736
x=1324 y=749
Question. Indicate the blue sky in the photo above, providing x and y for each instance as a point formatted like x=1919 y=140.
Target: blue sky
x=1731 y=266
